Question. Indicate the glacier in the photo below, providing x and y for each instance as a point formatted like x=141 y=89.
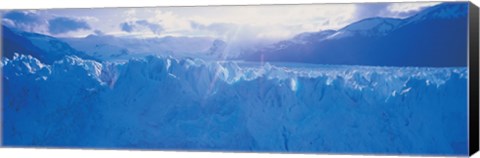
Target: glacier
x=170 y=103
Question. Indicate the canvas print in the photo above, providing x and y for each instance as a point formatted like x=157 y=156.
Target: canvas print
x=360 y=78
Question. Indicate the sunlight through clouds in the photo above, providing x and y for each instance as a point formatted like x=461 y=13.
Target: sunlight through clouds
x=265 y=23
x=256 y=23
x=400 y=9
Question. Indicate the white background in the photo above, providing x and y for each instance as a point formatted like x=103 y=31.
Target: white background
x=73 y=153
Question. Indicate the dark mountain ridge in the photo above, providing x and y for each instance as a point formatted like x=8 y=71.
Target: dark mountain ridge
x=434 y=37
x=45 y=48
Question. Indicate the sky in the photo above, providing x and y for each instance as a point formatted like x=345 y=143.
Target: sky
x=239 y=23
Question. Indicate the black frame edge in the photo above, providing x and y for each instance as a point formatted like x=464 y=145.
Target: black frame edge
x=473 y=79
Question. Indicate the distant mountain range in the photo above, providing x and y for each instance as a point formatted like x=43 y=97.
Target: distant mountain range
x=104 y=47
x=45 y=48
x=108 y=47
x=436 y=36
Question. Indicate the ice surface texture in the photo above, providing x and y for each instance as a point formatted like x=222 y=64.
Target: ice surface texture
x=190 y=104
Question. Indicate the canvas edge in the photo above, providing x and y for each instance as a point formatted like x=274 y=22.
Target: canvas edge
x=473 y=70
x=1 y=83
x=473 y=66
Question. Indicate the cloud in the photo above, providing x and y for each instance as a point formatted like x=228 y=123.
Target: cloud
x=126 y=26
x=393 y=10
x=366 y=10
x=156 y=20
x=61 y=25
x=218 y=28
x=98 y=32
x=256 y=21
x=23 y=17
x=408 y=9
x=155 y=28
x=141 y=26
x=252 y=23
x=25 y=20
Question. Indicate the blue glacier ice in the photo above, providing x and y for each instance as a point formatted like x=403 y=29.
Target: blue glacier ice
x=376 y=86
x=171 y=103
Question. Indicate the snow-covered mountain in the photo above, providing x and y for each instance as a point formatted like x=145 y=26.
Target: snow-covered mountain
x=191 y=104
x=113 y=48
x=438 y=32
x=105 y=47
x=45 y=48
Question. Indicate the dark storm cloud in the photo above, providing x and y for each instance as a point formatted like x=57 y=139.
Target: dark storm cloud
x=126 y=26
x=63 y=25
x=24 y=20
x=155 y=28
x=141 y=25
